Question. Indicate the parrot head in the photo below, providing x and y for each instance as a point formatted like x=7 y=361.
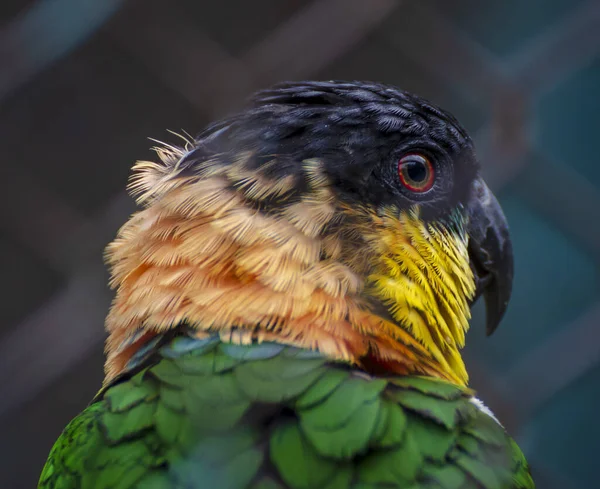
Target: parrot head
x=346 y=217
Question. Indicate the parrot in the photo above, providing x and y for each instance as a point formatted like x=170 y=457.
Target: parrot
x=291 y=301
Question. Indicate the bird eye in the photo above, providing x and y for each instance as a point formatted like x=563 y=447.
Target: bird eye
x=416 y=172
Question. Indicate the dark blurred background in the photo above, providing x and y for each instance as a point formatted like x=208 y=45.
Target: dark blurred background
x=84 y=83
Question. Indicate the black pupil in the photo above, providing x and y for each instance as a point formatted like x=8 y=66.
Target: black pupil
x=416 y=171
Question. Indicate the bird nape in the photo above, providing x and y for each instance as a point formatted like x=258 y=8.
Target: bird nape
x=291 y=301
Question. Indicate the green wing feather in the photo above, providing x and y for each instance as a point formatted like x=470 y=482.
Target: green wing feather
x=211 y=415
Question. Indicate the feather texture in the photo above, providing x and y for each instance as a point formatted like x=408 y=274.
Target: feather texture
x=207 y=414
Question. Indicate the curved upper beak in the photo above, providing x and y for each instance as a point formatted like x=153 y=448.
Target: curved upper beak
x=490 y=252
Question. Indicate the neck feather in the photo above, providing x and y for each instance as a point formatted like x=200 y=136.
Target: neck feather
x=199 y=255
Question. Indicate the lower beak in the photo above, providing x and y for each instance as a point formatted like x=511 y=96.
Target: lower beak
x=490 y=252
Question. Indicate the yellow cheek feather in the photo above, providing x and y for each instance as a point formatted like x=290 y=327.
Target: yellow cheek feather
x=422 y=274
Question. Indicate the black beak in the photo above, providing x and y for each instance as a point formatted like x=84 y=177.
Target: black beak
x=490 y=252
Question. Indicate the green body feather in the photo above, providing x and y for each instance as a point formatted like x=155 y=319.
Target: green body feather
x=203 y=414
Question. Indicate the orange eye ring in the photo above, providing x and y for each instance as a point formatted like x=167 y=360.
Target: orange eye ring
x=416 y=172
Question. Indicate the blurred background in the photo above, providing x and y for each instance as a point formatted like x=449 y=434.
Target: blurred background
x=84 y=83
